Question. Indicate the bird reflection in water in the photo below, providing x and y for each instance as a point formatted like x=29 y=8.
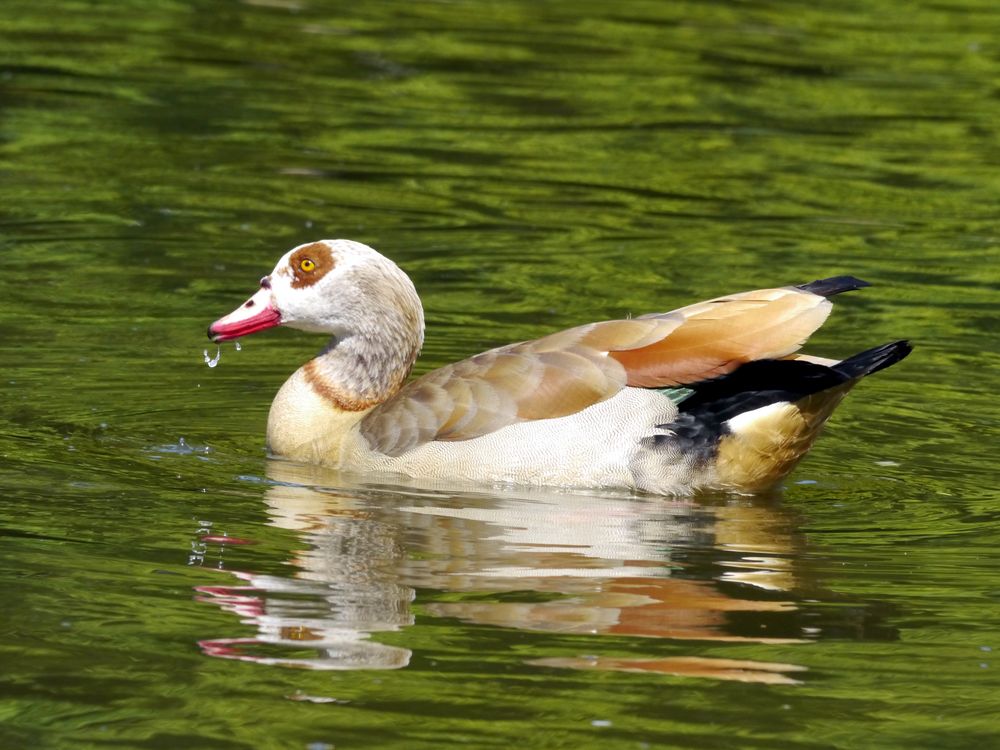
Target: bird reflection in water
x=531 y=559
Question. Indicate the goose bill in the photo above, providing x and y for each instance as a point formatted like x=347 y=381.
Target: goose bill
x=256 y=314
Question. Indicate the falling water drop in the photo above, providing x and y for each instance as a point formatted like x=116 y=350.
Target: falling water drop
x=213 y=361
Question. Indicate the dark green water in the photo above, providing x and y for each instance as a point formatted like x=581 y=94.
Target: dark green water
x=532 y=166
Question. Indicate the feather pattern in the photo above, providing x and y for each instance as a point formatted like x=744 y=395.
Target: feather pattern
x=566 y=372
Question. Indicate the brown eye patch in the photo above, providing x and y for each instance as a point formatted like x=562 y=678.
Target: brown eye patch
x=309 y=264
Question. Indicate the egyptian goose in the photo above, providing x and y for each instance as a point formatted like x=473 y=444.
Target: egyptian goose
x=709 y=396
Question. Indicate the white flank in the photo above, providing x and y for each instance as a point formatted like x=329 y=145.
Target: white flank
x=746 y=420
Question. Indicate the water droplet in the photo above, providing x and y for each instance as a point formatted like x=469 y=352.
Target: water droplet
x=239 y=346
x=213 y=361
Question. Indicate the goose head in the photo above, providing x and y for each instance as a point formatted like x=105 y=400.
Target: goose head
x=359 y=298
x=341 y=288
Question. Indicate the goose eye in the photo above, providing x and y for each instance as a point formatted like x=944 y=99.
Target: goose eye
x=307 y=265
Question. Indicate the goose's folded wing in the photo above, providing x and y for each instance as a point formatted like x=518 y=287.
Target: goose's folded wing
x=566 y=372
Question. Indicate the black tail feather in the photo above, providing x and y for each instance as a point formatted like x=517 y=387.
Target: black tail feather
x=833 y=285
x=757 y=384
x=702 y=417
x=767 y=381
x=873 y=360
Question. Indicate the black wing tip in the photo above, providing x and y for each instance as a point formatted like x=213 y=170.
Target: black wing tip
x=833 y=285
x=874 y=359
x=765 y=381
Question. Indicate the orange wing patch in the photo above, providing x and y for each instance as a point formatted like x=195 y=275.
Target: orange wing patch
x=719 y=335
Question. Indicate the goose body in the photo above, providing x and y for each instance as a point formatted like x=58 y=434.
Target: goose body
x=709 y=396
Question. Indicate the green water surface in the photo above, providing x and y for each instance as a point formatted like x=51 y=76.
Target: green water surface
x=532 y=165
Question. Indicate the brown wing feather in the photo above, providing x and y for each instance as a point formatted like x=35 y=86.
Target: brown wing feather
x=568 y=371
x=717 y=336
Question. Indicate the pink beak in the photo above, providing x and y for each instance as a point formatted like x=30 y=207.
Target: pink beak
x=256 y=314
